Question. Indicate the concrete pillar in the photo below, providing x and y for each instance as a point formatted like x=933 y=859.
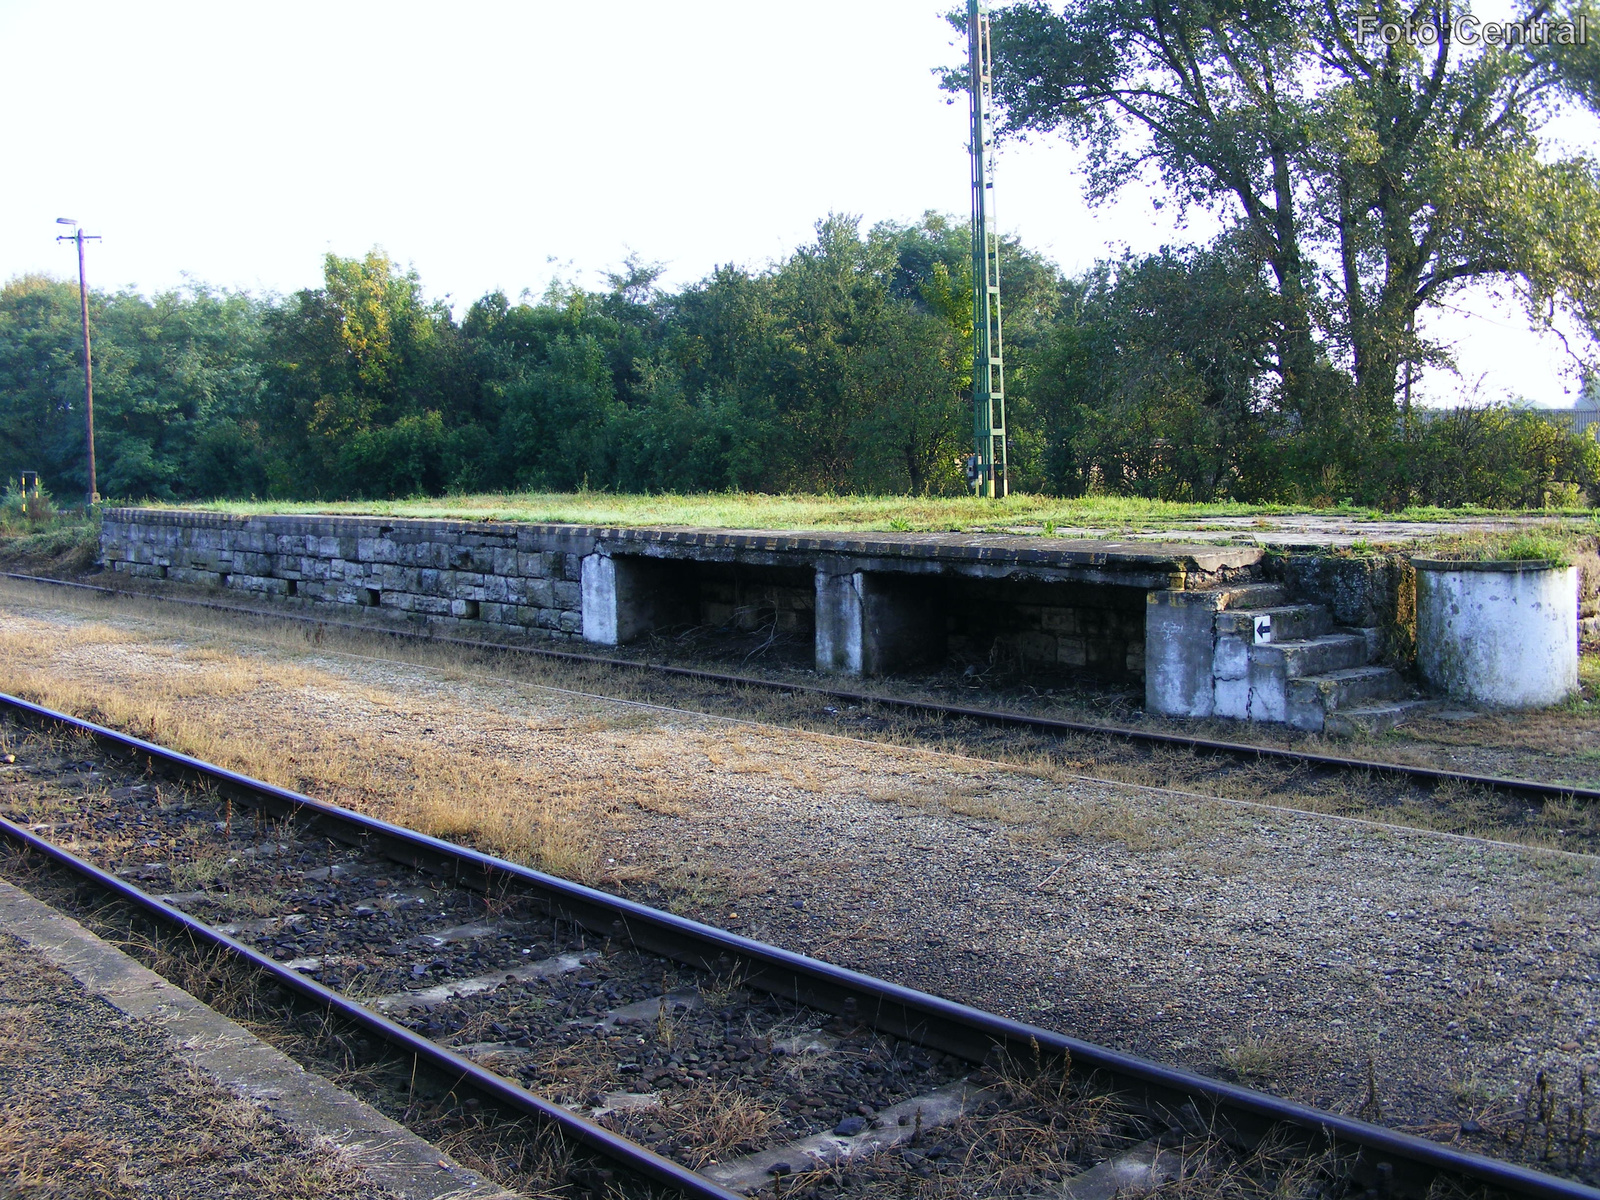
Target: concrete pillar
x=874 y=623
x=838 y=637
x=1179 y=636
x=621 y=598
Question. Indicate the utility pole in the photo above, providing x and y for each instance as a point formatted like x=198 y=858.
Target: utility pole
x=987 y=470
x=77 y=235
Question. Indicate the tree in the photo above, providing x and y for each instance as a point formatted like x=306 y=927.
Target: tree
x=1370 y=179
x=1153 y=384
x=354 y=358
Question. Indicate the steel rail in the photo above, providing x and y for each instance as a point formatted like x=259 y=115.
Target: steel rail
x=933 y=708
x=465 y=1072
x=1378 y=1156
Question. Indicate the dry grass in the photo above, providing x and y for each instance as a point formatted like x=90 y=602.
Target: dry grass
x=1039 y=1127
x=1257 y=1060
x=519 y=811
x=530 y=1159
x=709 y=1123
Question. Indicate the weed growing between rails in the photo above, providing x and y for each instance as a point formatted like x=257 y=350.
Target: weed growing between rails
x=1559 y=1128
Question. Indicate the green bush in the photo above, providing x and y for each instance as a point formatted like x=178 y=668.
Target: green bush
x=1496 y=457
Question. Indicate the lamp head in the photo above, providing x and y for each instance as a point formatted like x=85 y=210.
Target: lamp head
x=66 y=221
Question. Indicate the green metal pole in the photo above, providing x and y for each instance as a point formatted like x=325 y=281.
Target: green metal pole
x=992 y=475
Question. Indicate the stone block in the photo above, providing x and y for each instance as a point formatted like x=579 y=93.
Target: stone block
x=1232 y=698
x=1059 y=620
x=838 y=636
x=1269 y=695
x=1035 y=647
x=874 y=623
x=620 y=598
x=1072 y=651
x=1232 y=658
x=568 y=595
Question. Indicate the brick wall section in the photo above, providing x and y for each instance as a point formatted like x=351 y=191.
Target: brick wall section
x=524 y=579
x=1051 y=627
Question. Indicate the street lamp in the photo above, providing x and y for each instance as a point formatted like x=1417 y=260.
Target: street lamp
x=77 y=235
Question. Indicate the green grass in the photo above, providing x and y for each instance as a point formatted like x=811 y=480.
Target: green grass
x=1556 y=545
x=1046 y=515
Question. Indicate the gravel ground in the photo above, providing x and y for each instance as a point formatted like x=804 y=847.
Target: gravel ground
x=1424 y=980
x=94 y=1104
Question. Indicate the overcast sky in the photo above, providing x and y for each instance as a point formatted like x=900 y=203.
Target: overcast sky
x=495 y=144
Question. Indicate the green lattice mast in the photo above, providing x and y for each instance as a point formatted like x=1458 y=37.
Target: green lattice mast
x=989 y=473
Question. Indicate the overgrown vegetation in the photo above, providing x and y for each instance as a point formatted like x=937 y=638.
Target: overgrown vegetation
x=1361 y=180
x=842 y=370
x=36 y=534
x=1553 y=546
x=1027 y=513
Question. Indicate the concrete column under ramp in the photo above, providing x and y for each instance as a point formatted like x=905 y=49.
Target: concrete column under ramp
x=623 y=598
x=1178 y=652
x=874 y=622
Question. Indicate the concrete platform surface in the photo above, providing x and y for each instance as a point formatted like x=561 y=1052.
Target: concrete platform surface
x=1309 y=531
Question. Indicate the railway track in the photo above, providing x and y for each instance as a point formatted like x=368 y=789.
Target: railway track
x=1422 y=776
x=692 y=1059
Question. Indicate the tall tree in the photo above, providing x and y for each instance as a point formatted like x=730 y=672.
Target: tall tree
x=1373 y=176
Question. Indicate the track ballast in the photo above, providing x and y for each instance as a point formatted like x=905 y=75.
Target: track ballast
x=696 y=1059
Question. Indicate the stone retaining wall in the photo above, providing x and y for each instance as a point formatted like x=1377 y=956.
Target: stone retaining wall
x=439 y=573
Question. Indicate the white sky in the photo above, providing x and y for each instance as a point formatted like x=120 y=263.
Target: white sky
x=493 y=143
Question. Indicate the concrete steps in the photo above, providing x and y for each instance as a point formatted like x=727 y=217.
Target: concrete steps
x=1282 y=623
x=1374 y=718
x=1311 y=699
x=1252 y=595
x=1281 y=662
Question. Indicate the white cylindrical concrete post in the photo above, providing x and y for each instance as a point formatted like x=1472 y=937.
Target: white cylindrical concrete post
x=1498 y=633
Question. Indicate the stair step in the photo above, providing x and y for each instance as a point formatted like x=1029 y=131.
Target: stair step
x=1311 y=656
x=1287 y=622
x=1374 y=718
x=1310 y=700
x=1253 y=595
